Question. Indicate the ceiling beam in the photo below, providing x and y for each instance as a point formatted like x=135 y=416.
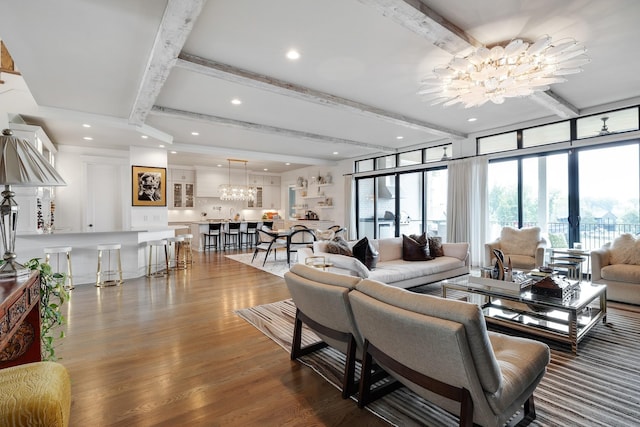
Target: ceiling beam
x=177 y=23
x=555 y=103
x=256 y=127
x=225 y=152
x=416 y=16
x=260 y=81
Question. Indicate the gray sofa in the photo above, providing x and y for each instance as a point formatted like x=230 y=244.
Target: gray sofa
x=391 y=269
x=617 y=265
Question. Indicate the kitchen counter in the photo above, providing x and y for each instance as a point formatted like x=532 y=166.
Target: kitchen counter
x=84 y=255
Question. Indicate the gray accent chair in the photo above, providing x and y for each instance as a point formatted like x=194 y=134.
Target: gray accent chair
x=322 y=302
x=441 y=349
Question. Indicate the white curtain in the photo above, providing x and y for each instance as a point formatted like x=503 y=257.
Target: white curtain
x=467 y=212
x=349 y=207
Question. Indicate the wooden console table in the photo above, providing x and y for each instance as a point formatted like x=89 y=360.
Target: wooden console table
x=19 y=303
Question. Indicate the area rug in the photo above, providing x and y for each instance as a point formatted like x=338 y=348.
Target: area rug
x=278 y=266
x=598 y=387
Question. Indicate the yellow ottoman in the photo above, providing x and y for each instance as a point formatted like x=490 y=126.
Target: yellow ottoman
x=35 y=394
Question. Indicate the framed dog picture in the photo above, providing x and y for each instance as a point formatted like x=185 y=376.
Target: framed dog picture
x=149 y=186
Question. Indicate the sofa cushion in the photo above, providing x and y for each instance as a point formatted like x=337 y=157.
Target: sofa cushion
x=435 y=246
x=520 y=242
x=338 y=245
x=390 y=248
x=400 y=270
x=625 y=249
x=365 y=253
x=414 y=250
x=621 y=273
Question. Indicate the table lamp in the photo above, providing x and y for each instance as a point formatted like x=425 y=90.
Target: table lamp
x=20 y=165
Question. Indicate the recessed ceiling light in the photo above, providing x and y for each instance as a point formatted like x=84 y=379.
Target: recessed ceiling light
x=195 y=133
x=219 y=166
x=161 y=146
x=87 y=138
x=236 y=101
x=335 y=153
x=287 y=164
x=293 y=54
x=399 y=137
x=472 y=119
x=174 y=152
x=265 y=169
x=144 y=137
x=86 y=125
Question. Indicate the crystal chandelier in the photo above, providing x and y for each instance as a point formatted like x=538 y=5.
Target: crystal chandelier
x=515 y=70
x=237 y=192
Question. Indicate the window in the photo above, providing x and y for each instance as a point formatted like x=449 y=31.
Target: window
x=549 y=134
x=364 y=165
x=498 y=143
x=608 y=123
x=410 y=158
x=436 y=184
x=437 y=154
x=386 y=162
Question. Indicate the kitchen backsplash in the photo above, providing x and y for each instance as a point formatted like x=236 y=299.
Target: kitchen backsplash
x=214 y=208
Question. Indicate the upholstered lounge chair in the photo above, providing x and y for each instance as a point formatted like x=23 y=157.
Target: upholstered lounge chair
x=441 y=349
x=525 y=247
x=322 y=302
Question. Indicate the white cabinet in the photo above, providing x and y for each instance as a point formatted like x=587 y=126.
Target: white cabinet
x=268 y=191
x=181 y=189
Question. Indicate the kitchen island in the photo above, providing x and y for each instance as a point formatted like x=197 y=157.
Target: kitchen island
x=84 y=255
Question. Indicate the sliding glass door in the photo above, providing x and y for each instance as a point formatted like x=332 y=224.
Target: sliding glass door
x=609 y=191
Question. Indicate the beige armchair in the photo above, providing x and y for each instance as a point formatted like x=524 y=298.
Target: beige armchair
x=524 y=246
x=322 y=302
x=442 y=351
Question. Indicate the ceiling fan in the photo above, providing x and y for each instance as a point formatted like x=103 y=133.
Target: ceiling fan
x=605 y=129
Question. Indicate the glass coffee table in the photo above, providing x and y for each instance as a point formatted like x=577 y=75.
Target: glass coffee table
x=567 y=320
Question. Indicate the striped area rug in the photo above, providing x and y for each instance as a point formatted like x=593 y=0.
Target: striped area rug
x=598 y=387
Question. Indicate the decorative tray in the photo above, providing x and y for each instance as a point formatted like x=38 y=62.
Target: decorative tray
x=514 y=287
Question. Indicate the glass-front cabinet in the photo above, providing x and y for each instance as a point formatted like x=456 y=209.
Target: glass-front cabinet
x=182 y=189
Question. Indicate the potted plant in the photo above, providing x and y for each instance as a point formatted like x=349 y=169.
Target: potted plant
x=53 y=295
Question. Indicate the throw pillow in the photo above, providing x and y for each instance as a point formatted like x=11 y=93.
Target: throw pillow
x=625 y=249
x=365 y=253
x=423 y=239
x=435 y=247
x=339 y=246
x=413 y=250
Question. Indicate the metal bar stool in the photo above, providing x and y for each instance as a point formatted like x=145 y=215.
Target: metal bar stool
x=188 y=249
x=156 y=267
x=176 y=257
x=250 y=234
x=57 y=250
x=112 y=275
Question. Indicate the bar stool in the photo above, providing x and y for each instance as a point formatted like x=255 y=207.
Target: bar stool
x=156 y=267
x=232 y=233
x=215 y=230
x=188 y=249
x=176 y=257
x=57 y=250
x=112 y=276
x=250 y=234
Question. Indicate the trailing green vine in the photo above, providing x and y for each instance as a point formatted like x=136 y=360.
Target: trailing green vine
x=52 y=296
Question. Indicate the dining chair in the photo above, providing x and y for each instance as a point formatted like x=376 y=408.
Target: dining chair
x=268 y=242
x=299 y=227
x=301 y=238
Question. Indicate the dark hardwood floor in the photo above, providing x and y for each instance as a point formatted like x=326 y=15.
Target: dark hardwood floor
x=171 y=352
